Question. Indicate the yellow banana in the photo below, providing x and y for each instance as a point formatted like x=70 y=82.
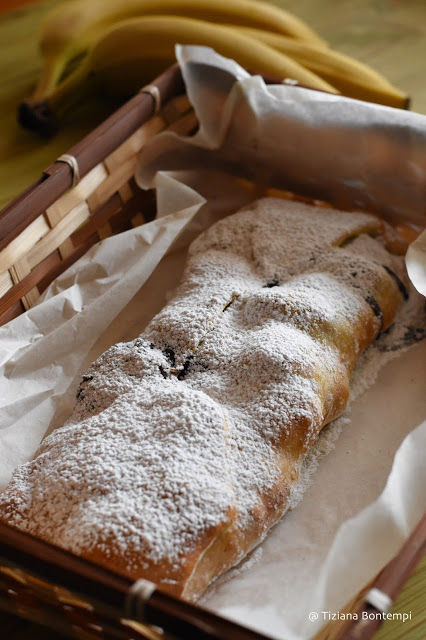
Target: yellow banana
x=70 y=29
x=349 y=76
x=135 y=51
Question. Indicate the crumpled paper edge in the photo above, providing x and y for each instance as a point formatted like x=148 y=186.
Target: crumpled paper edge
x=416 y=263
x=67 y=321
x=342 y=573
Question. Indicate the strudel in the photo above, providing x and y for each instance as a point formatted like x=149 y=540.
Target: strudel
x=185 y=443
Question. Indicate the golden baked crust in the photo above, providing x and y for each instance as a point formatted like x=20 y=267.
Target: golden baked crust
x=185 y=443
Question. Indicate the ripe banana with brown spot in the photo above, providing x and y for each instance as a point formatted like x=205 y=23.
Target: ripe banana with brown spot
x=71 y=29
x=351 y=77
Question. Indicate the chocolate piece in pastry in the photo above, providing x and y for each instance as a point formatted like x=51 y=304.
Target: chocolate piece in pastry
x=185 y=443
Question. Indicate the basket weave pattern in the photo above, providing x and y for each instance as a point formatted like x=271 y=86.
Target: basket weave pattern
x=106 y=201
x=63 y=611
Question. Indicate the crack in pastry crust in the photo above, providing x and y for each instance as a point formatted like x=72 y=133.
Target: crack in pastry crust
x=185 y=443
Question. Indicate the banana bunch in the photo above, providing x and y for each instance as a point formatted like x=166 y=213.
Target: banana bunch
x=73 y=27
x=116 y=47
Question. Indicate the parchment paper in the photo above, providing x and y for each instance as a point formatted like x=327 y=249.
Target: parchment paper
x=364 y=501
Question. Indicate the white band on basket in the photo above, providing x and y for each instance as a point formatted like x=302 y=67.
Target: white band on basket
x=379 y=600
x=154 y=92
x=290 y=81
x=72 y=162
x=136 y=598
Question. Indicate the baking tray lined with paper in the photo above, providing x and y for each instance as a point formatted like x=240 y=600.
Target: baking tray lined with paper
x=187 y=197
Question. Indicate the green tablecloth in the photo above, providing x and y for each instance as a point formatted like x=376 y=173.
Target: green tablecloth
x=390 y=35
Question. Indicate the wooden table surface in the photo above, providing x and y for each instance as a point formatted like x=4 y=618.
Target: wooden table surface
x=390 y=35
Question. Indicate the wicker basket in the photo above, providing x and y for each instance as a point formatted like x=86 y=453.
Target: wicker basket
x=86 y=196
x=56 y=220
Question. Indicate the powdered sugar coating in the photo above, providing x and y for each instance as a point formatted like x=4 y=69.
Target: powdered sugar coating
x=177 y=428
x=125 y=473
